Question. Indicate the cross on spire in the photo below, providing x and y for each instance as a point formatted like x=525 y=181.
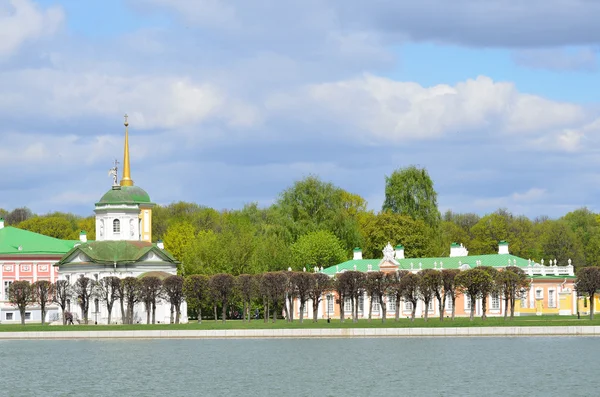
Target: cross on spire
x=126 y=122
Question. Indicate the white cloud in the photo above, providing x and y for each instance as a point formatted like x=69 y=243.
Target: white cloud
x=23 y=20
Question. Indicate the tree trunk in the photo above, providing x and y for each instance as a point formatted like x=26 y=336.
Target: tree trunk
x=315 y=304
x=353 y=308
x=215 y=312
x=506 y=299
x=370 y=307
x=123 y=318
x=199 y=315
x=453 y=297
x=413 y=312
x=426 y=310
x=177 y=313
x=148 y=311
x=244 y=313
x=471 y=315
x=483 y=307
x=63 y=316
x=43 y=309
x=301 y=315
x=267 y=313
x=441 y=306
x=289 y=309
x=172 y=317
x=341 y=310
x=224 y=312
x=383 y=310
x=398 y=308
x=22 y=312
x=356 y=309
x=512 y=307
x=154 y=312
x=274 y=312
x=592 y=306
x=109 y=309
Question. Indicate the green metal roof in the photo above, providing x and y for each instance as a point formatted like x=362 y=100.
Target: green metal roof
x=125 y=195
x=120 y=252
x=30 y=243
x=494 y=260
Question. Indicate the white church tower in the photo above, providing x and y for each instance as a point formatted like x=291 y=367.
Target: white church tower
x=125 y=211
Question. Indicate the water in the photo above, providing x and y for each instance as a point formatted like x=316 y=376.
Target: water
x=536 y=366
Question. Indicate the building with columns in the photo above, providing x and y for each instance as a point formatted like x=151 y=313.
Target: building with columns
x=551 y=289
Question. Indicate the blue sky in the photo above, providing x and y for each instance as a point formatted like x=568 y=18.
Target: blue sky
x=232 y=101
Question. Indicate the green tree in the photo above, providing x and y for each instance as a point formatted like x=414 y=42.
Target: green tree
x=178 y=238
x=561 y=243
x=320 y=248
x=53 y=226
x=195 y=290
x=409 y=191
x=586 y=228
x=471 y=283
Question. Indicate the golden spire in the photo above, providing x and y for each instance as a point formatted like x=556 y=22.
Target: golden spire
x=126 y=179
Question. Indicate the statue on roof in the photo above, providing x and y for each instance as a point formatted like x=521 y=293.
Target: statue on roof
x=388 y=253
x=113 y=172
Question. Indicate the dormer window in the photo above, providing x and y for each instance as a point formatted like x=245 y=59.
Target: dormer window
x=116 y=226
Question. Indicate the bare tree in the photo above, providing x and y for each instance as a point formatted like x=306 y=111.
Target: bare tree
x=62 y=293
x=303 y=284
x=173 y=289
x=43 y=291
x=273 y=286
x=150 y=291
x=245 y=284
x=131 y=294
x=195 y=290
x=319 y=284
x=84 y=290
x=21 y=294
x=222 y=287
x=108 y=292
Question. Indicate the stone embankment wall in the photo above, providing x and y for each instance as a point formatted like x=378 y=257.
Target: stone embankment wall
x=311 y=333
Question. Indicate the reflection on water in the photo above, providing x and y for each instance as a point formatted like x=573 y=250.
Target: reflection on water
x=301 y=367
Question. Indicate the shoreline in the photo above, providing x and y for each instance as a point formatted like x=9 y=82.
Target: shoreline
x=577 y=330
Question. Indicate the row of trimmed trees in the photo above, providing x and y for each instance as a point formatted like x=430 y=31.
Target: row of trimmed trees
x=428 y=286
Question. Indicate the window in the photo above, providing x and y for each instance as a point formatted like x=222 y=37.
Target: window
x=97 y=305
x=96 y=277
x=495 y=303
x=430 y=305
x=27 y=315
x=391 y=302
x=361 y=303
x=467 y=302
x=9 y=316
x=116 y=226
x=376 y=306
x=448 y=303
x=347 y=305
x=551 y=300
x=330 y=301
x=408 y=306
x=523 y=299
x=6 y=288
x=539 y=294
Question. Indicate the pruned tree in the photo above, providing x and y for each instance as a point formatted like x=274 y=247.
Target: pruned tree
x=379 y=283
x=290 y=295
x=587 y=282
x=341 y=288
x=488 y=288
x=108 y=292
x=409 y=284
x=43 y=291
x=263 y=290
x=62 y=294
x=173 y=289
x=319 y=284
x=84 y=290
x=470 y=284
x=510 y=283
x=195 y=291
x=131 y=294
x=450 y=288
x=273 y=284
x=222 y=288
x=352 y=285
x=121 y=298
x=396 y=289
x=150 y=292
x=430 y=283
x=303 y=283
x=21 y=294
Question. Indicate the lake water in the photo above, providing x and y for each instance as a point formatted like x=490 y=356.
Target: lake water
x=536 y=366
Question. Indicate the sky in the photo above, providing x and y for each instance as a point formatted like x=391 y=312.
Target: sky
x=230 y=102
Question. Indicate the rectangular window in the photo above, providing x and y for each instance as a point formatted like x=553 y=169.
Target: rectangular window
x=376 y=305
x=524 y=299
x=408 y=306
x=9 y=316
x=551 y=300
x=495 y=302
x=539 y=294
x=27 y=315
x=97 y=305
x=392 y=303
x=347 y=305
x=330 y=302
x=448 y=303
x=467 y=302
x=361 y=303
x=430 y=305
x=6 y=288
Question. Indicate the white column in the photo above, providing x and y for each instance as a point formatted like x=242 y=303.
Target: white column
x=52 y=269
x=35 y=265
x=17 y=268
x=2 y=281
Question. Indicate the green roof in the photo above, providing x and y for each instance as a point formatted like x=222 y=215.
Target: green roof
x=31 y=243
x=120 y=252
x=157 y=274
x=125 y=195
x=494 y=260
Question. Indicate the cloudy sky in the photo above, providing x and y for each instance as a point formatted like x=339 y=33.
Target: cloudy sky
x=232 y=101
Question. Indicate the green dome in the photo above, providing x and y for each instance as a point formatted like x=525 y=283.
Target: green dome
x=125 y=195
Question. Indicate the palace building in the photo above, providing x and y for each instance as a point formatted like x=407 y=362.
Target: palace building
x=123 y=248
x=551 y=289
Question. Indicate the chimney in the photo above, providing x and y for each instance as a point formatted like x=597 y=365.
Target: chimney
x=399 y=251
x=1 y=223
x=503 y=247
x=83 y=236
x=458 y=250
x=357 y=253
x=160 y=244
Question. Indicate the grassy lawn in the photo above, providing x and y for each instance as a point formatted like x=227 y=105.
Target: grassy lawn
x=259 y=324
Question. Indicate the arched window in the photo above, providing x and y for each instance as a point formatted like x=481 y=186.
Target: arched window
x=116 y=226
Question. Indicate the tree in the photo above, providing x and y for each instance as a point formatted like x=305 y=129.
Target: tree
x=131 y=293
x=319 y=284
x=510 y=283
x=222 y=286
x=409 y=191
x=320 y=248
x=52 y=226
x=84 y=289
x=354 y=284
x=396 y=290
x=303 y=283
x=18 y=215
x=429 y=284
x=561 y=243
x=173 y=289
x=108 y=291
x=178 y=238
x=62 y=293
x=409 y=285
x=450 y=287
x=21 y=294
x=43 y=290
x=378 y=285
x=470 y=283
x=488 y=288
x=273 y=286
x=290 y=295
x=195 y=291
x=588 y=282
x=150 y=292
